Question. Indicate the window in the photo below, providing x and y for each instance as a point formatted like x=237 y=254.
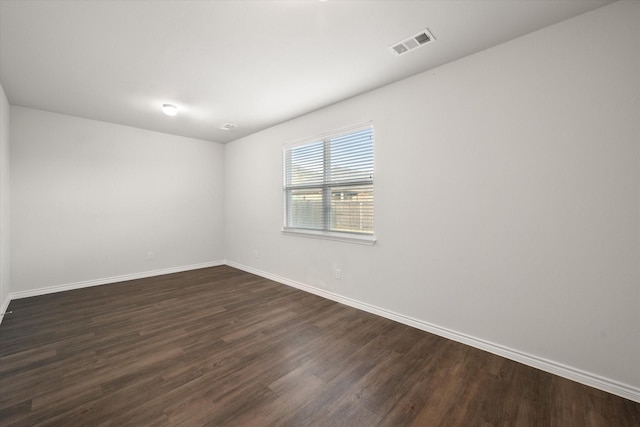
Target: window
x=328 y=186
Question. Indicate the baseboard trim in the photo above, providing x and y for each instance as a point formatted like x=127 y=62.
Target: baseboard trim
x=107 y=280
x=4 y=307
x=605 y=384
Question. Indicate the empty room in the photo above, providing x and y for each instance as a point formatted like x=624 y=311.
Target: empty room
x=320 y=213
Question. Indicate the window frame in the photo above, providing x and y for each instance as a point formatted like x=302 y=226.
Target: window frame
x=326 y=186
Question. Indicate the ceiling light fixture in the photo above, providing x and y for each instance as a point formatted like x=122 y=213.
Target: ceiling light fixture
x=169 y=110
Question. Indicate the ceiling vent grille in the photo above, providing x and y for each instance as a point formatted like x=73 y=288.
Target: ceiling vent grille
x=422 y=38
x=228 y=126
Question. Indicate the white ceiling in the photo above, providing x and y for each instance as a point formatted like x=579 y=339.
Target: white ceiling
x=251 y=63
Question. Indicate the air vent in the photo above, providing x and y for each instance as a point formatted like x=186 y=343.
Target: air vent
x=228 y=126
x=420 y=39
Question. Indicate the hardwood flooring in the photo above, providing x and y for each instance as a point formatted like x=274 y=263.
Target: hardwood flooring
x=221 y=347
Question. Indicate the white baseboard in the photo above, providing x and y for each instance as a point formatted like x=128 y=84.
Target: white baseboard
x=107 y=280
x=4 y=307
x=577 y=375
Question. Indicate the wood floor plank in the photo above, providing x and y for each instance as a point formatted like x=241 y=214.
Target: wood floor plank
x=222 y=347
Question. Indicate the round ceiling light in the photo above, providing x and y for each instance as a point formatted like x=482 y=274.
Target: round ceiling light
x=169 y=110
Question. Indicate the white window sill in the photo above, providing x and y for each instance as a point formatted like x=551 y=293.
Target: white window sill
x=361 y=239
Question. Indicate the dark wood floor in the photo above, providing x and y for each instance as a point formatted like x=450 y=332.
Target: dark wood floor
x=221 y=347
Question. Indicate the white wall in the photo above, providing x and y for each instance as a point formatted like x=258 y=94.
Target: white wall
x=507 y=199
x=4 y=203
x=91 y=199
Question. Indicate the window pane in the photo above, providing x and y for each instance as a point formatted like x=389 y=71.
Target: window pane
x=305 y=165
x=305 y=209
x=352 y=157
x=352 y=209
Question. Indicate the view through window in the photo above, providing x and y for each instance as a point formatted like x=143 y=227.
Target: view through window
x=328 y=183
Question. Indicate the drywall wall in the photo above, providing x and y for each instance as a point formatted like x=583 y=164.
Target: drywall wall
x=507 y=199
x=5 y=232
x=90 y=200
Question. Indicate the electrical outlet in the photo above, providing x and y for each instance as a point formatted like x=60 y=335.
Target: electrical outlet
x=338 y=274
x=149 y=256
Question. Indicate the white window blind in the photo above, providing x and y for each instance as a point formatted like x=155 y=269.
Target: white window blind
x=328 y=183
